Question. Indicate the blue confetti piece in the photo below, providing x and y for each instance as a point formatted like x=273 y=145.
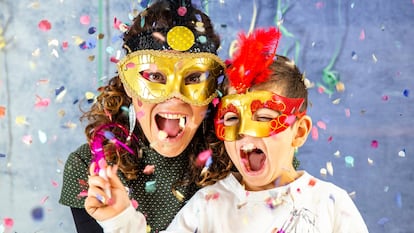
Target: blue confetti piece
x=91 y=43
x=382 y=221
x=349 y=161
x=38 y=213
x=2 y=155
x=406 y=92
x=398 y=200
x=150 y=186
x=92 y=30
x=59 y=90
x=209 y=161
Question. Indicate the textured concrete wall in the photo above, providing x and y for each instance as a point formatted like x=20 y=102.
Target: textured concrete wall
x=363 y=132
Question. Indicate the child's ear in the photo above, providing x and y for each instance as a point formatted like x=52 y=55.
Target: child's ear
x=303 y=128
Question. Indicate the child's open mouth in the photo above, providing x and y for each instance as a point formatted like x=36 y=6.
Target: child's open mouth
x=253 y=158
x=172 y=124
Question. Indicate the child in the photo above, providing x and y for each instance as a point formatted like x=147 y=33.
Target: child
x=262 y=121
x=162 y=98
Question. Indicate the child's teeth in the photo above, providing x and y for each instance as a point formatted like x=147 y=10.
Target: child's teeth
x=248 y=147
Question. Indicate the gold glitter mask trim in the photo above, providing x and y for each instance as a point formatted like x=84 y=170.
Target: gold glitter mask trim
x=155 y=76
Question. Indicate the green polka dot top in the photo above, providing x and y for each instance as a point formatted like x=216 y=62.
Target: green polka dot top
x=152 y=191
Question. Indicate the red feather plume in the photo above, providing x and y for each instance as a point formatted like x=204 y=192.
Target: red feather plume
x=251 y=61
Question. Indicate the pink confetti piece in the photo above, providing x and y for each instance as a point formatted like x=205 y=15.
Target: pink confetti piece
x=149 y=169
x=85 y=20
x=347 y=112
x=40 y=102
x=319 y=5
x=55 y=184
x=117 y=22
x=216 y=101
x=330 y=138
x=182 y=11
x=44 y=25
x=65 y=45
x=374 y=144
x=134 y=203
x=385 y=97
x=290 y=119
x=212 y=196
x=114 y=59
x=27 y=139
x=362 y=35
x=44 y=199
x=8 y=222
x=315 y=133
x=83 y=193
x=321 y=125
x=203 y=157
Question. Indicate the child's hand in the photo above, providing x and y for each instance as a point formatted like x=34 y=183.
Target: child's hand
x=98 y=204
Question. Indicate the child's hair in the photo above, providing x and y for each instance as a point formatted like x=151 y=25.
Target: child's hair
x=113 y=102
x=286 y=75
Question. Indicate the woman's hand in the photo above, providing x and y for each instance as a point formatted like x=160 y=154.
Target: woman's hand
x=98 y=204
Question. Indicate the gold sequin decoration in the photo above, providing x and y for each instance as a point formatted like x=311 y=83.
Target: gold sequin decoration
x=180 y=38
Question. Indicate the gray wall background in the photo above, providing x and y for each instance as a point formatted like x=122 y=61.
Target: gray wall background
x=367 y=44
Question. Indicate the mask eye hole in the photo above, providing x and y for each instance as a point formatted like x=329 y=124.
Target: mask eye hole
x=155 y=77
x=265 y=115
x=195 y=78
x=230 y=119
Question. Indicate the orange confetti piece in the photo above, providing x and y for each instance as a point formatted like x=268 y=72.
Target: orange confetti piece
x=2 y=111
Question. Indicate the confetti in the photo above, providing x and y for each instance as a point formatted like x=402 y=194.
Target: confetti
x=347 y=112
x=85 y=20
x=329 y=168
x=374 y=144
x=203 y=157
x=385 y=97
x=362 y=35
x=406 y=92
x=149 y=169
x=2 y=111
x=321 y=125
x=349 y=161
x=8 y=222
x=21 y=120
x=150 y=186
x=374 y=58
x=134 y=203
x=44 y=25
x=42 y=136
x=314 y=132
x=398 y=200
x=37 y=213
x=401 y=153
x=27 y=139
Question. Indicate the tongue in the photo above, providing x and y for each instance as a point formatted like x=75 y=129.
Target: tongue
x=170 y=126
x=256 y=160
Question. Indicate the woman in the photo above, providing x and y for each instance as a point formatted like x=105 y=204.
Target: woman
x=166 y=84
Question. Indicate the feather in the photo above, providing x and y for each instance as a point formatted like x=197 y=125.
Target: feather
x=251 y=61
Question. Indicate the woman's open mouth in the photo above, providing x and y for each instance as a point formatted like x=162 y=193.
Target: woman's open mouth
x=172 y=125
x=252 y=158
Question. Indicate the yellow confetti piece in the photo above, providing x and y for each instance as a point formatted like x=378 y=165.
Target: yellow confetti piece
x=178 y=195
x=336 y=101
x=21 y=120
x=78 y=40
x=148 y=228
x=36 y=52
x=89 y=95
x=337 y=153
x=340 y=87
